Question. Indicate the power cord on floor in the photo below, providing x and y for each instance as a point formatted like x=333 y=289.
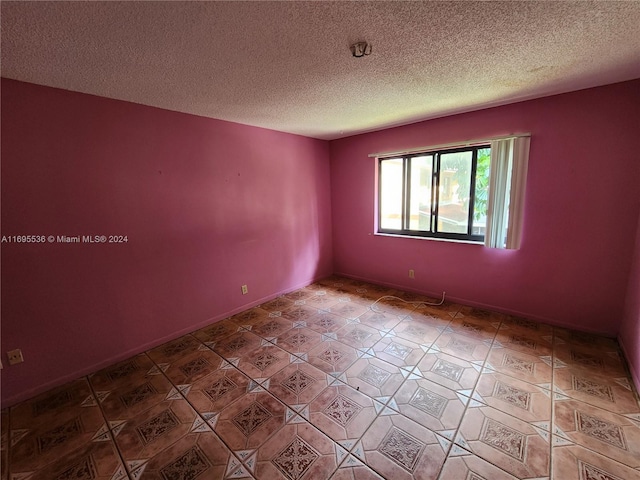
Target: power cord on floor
x=405 y=301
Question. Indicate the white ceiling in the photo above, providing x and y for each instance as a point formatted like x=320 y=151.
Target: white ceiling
x=287 y=65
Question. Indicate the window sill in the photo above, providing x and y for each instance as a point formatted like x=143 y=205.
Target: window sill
x=435 y=239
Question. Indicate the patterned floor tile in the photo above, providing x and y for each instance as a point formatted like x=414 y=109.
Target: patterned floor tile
x=324 y=299
x=429 y=404
x=299 y=313
x=298 y=451
x=196 y=455
x=462 y=346
x=218 y=390
x=419 y=330
x=143 y=437
x=505 y=441
x=364 y=299
x=380 y=319
x=613 y=394
x=332 y=356
x=530 y=368
x=526 y=324
x=394 y=305
x=237 y=344
x=448 y=371
x=250 y=317
x=175 y=349
x=573 y=462
x=417 y=299
x=465 y=466
x=358 y=335
x=584 y=339
x=194 y=366
x=369 y=291
x=90 y=461
x=250 y=421
x=299 y=340
x=613 y=435
x=58 y=404
x=349 y=309
x=272 y=326
x=481 y=325
x=523 y=325
x=326 y=322
x=263 y=361
x=375 y=377
x=480 y=316
x=278 y=304
x=531 y=403
x=129 y=402
x=399 y=448
x=341 y=285
x=298 y=383
x=399 y=352
x=524 y=340
x=301 y=294
x=36 y=444
x=128 y=372
x=436 y=315
x=604 y=362
x=342 y=412
x=216 y=331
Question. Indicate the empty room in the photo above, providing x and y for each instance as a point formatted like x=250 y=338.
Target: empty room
x=320 y=240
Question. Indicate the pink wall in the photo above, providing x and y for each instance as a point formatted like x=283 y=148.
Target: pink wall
x=629 y=336
x=581 y=212
x=207 y=206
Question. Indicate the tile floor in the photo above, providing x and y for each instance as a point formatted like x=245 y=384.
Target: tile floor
x=320 y=383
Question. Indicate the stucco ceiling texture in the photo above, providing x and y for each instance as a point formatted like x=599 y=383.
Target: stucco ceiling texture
x=287 y=65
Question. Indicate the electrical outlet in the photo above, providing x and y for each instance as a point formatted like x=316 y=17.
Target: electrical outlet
x=15 y=356
x=412 y=274
x=245 y=290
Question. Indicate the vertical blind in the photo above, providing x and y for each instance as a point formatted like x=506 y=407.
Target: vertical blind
x=505 y=202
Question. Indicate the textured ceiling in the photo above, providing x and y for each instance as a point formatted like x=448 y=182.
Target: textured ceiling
x=287 y=65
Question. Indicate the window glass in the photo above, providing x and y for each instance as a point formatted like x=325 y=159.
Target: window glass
x=454 y=193
x=482 y=191
x=435 y=194
x=420 y=196
x=391 y=188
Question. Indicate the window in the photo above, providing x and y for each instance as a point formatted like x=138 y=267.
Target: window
x=473 y=193
x=440 y=193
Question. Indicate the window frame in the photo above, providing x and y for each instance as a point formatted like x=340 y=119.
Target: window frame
x=435 y=194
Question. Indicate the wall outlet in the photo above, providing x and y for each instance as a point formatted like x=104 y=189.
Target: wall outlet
x=412 y=274
x=15 y=356
x=245 y=290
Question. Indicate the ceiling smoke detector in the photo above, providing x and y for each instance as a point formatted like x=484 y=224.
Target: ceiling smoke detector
x=361 y=49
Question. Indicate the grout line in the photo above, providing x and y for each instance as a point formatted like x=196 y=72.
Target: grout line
x=193 y=406
x=109 y=430
x=9 y=429
x=553 y=401
x=467 y=406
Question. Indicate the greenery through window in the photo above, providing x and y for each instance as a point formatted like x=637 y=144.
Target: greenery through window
x=435 y=194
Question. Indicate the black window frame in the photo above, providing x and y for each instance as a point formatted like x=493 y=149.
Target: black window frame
x=435 y=194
